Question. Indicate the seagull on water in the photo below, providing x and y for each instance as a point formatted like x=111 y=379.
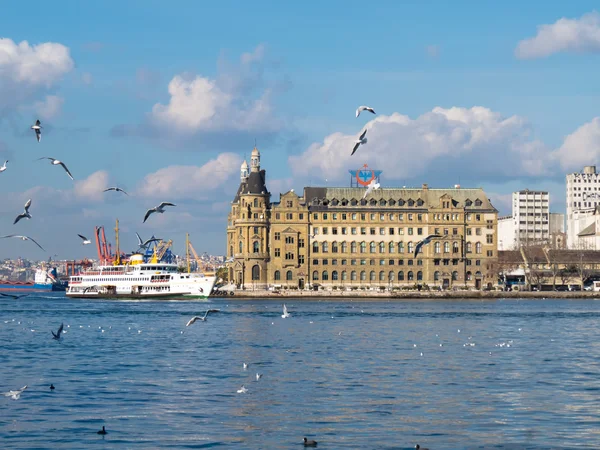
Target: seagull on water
x=418 y=447
x=24 y=238
x=373 y=185
x=159 y=209
x=245 y=366
x=58 y=333
x=242 y=390
x=361 y=140
x=258 y=376
x=85 y=240
x=425 y=241
x=38 y=129
x=3 y=168
x=116 y=189
x=203 y=318
x=56 y=162
x=15 y=394
x=25 y=213
x=15 y=296
x=285 y=314
x=364 y=108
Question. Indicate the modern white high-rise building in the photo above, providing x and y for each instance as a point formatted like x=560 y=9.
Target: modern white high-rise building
x=583 y=196
x=529 y=223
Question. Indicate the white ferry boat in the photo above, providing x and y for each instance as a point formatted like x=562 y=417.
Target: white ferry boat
x=140 y=280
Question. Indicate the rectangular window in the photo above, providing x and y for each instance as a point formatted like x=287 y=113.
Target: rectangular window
x=277 y=253
x=437 y=231
x=419 y=231
x=445 y=231
x=255 y=230
x=490 y=253
x=277 y=236
x=325 y=230
x=334 y=230
x=489 y=239
x=363 y=231
x=278 y=216
x=391 y=230
x=324 y=216
x=410 y=217
x=382 y=262
x=363 y=262
x=382 y=217
x=401 y=216
x=289 y=239
x=420 y=217
x=344 y=230
x=372 y=230
x=334 y=216
x=315 y=216
x=477 y=262
x=301 y=259
x=301 y=243
x=382 y=231
x=391 y=263
x=478 y=217
x=363 y=217
x=468 y=231
x=325 y=262
x=289 y=256
x=410 y=262
x=301 y=216
x=454 y=231
x=289 y=216
x=410 y=231
x=344 y=216
x=401 y=231
x=478 y=231
x=315 y=262
x=315 y=230
x=353 y=230
x=352 y=262
x=353 y=216
x=344 y=262
x=289 y=203
x=372 y=216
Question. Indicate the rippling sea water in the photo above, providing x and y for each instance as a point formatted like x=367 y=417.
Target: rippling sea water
x=368 y=375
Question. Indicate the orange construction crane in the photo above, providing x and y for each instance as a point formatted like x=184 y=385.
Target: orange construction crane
x=202 y=266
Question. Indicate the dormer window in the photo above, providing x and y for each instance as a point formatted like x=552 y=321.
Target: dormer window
x=478 y=202
x=411 y=202
x=420 y=202
x=468 y=202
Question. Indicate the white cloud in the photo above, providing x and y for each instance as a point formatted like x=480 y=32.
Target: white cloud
x=38 y=65
x=580 y=148
x=575 y=35
x=502 y=202
x=92 y=187
x=49 y=108
x=191 y=182
x=454 y=142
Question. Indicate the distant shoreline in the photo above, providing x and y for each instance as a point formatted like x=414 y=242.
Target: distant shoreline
x=411 y=295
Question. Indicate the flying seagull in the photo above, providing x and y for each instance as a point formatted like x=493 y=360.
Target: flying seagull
x=25 y=213
x=58 y=333
x=85 y=240
x=285 y=314
x=203 y=318
x=15 y=394
x=373 y=185
x=159 y=209
x=24 y=238
x=3 y=168
x=38 y=129
x=56 y=162
x=361 y=140
x=363 y=108
x=144 y=244
x=15 y=296
x=116 y=189
x=425 y=241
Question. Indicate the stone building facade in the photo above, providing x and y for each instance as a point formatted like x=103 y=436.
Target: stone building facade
x=333 y=237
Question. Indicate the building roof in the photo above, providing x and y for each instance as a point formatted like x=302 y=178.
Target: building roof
x=590 y=230
x=255 y=184
x=535 y=255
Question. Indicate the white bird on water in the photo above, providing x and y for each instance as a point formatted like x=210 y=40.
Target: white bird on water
x=3 y=168
x=85 y=240
x=242 y=390
x=258 y=376
x=373 y=185
x=15 y=394
x=25 y=214
x=23 y=238
x=56 y=162
x=362 y=140
x=38 y=129
x=364 y=108
x=159 y=209
x=285 y=314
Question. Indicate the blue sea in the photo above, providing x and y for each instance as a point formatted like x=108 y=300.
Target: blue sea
x=497 y=374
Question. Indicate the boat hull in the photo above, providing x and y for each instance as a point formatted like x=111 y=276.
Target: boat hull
x=138 y=296
x=15 y=286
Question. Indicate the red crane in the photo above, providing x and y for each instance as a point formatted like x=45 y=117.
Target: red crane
x=104 y=250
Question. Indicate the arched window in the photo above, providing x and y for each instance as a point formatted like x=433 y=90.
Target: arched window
x=391 y=276
x=436 y=247
x=344 y=276
x=446 y=247
x=256 y=203
x=344 y=247
x=241 y=247
x=255 y=272
x=363 y=247
x=410 y=247
x=436 y=276
x=353 y=275
x=382 y=276
x=455 y=247
x=363 y=275
x=419 y=276
x=372 y=247
x=315 y=247
x=478 y=247
x=382 y=247
x=325 y=247
x=455 y=276
x=353 y=247
x=469 y=247
x=478 y=274
x=469 y=276
x=392 y=247
x=325 y=276
x=372 y=275
x=401 y=275
x=411 y=276
x=277 y=275
x=256 y=246
x=288 y=275
x=334 y=247
x=400 y=247
x=334 y=275
x=315 y=276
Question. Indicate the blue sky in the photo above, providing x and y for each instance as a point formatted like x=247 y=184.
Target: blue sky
x=165 y=99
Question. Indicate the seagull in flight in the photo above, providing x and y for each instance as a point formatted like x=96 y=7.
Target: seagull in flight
x=15 y=394
x=24 y=238
x=373 y=185
x=285 y=314
x=15 y=296
x=3 y=168
x=38 y=129
x=159 y=209
x=58 y=333
x=116 y=189
x=361 y=140
x=425 y=241
x=203 y=318
x=56 y=162
x=364 y=108
x=144 y=244
x=25 y=213
x=84 y=239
